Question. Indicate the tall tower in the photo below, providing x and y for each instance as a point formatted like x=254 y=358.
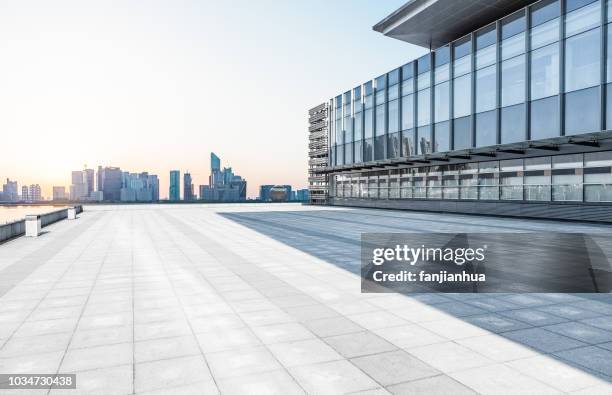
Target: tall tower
x=175 y=185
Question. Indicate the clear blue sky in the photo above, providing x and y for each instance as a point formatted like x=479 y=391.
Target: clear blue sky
x=157 y=85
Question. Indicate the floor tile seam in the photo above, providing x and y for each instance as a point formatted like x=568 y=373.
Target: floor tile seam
x=246 y=325
x=323 y=339
x=66 y=270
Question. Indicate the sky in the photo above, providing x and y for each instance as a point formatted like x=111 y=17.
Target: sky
x=157 y=85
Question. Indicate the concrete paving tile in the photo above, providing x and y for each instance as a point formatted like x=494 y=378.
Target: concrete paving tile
x=496 y=323
x=377 y=319
x=437 y=385
x=497 y=348
x=600 y=322
x=543 y=340
x=227 y=340
x=569 y=312
x=97 y=357
x=594 y=358
x=555 y=373
x=156 y=330
x=459 y=309
x=451 y=328
x=143 y=316
x=533 y=317
x=101 y=336
x=216 y=323
x=333 y=326
x=597 y=390
x=394 y=367
x=311 y=312
x=281 y=333
x=408 y=336
x=165 y=348
x=500 y=379
x=17 y=346
x=450 y=357
x=582 y=332
x=276 y=382
x=33 y=363
x=303 y=352
x=170 y=373
x=105 y=320
x=245 y=362
x=358 y=344
x=115 y=380
x=332 y=378
x=266 y=317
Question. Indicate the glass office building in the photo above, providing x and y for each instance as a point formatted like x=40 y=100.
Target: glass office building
x=511 y=118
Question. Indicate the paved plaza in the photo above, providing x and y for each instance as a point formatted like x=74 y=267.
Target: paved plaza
x=265 y=299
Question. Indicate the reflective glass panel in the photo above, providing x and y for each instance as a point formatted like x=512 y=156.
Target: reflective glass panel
x=486 y=129
x=424 y=107
x=545 y=72
x=513 y=124
x=582 y=61
x=485 y=89
x=582 y=111
x=442 y=136
x=462 y=133
x=462 y=90
x=545 y=118
x=513 y=81
x=441 y=102
x=407 y=112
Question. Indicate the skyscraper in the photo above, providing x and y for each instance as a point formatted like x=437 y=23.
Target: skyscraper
x=111 y=183
x=139 y=187
x=88 y=175
x=78 y=188
x=175 y=185
x=59 y=193
x=224 y=185
x=9 y=191
x=187 y=187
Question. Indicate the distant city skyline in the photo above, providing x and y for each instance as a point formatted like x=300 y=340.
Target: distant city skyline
x=158 y=85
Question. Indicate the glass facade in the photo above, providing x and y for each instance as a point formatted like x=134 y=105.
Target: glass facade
x=541 y=72
x=567 y=178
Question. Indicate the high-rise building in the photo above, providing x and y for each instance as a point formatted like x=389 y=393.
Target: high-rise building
x=79 y=190
x=223 y=185
x=139 y=187
x=88 y=175
x=59 y=193
x=175 y=185
x=31 y=194
x=508 y=113
x=187 y=187
x=302 y=195
x=111 y=179
x=10 y=191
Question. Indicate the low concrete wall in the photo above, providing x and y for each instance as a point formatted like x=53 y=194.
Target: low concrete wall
x=17 y=228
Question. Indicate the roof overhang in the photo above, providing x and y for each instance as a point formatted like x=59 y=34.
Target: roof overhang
x=433 y=23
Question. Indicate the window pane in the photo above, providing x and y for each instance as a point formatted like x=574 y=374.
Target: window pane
x=513 y=46
x=545 y=118
x=485 y=56
x=348 y=153
x=513 y=81
x=424 y=140
x=462 y=66
x=545 y=72
x=393 y=116
x=609 y=52
x=486 y=130
x=598 y=193
x=380 y=120
x=544 y=34
x=567 y=187
x=407 y=112
x=407 y=86
x=423 y=81
x=485 y=89
x=582 y=61
x=424 y=110
x=380 y=147
x=537 y=188
x=609 y=106
x=357 y=126
x=511 y=188
x=394 y=145
x=582 y=19
x=408 y=143
x=544 y=11
x=513 y=124
x=462 y=133
x=582 y=111
x=513 y=24
x=368 y=127
x=393 y=92
x=358 y=151
x=539 y=163
x=368 y=150
x=442 y=73
x=441 y=102
x=462 y=96
x=462 y=47
x=442 y=136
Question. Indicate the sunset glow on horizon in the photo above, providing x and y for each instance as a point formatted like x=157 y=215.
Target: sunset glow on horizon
x=157 y=86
